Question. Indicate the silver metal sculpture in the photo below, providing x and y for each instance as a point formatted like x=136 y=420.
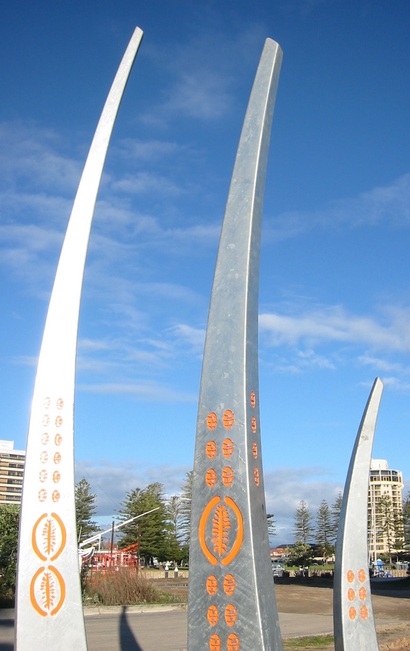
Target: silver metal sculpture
x=49 y=611
x=231 y=594
x=353 y=619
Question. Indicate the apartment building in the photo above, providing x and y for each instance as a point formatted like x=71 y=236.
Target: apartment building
x=11 y=473
x=385 y=507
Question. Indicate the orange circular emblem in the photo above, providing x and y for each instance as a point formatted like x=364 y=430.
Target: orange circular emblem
x=230 y=615
x=364 y=613
x=215 y=643
x=255 y=450
x=212 y=615
x=222 y=516
x=227 y=476
x=210 y=477
x=210 y=449
x=361 y=575
x=362 y=593
x=42 y=495
x=60 y=403
x=57 y=458
x=227 y=448
x=212 y=585
x=211 y=420
x=253 y=424
x=47 y=591
x=229 y=585
x=256 y=476
x=58 y=421
x=253 y=399
x=350 y=576
x=228 y=419
x=352 y=613
x=58 y=439
x=233 y=642
x=351 y=594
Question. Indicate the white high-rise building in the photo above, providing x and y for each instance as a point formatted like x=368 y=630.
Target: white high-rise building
x=385 y=508
x=11 y=473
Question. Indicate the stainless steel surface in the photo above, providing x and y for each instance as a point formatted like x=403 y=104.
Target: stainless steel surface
x=354 y=625
x=231 y=593
x=49 y=608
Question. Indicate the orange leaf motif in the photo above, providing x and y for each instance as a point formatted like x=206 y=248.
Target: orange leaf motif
x=47 y=587
x=49 y=536
x=220 y=530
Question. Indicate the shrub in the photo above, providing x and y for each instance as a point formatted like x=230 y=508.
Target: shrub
x=119 y=586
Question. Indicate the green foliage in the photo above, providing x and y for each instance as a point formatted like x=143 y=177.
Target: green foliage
x=123 y=587
x=270 y=518
x=300 y=554
x=309 y=642
x=324 y=529
x=406 y=521
x=84 y=510
x=150 y=531
x=9 y=527
x=335 y=511
x=303 y=529
x=185 y=509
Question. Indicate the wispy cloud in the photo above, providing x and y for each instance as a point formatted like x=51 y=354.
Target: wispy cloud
x=389 y=204
x=336 y=324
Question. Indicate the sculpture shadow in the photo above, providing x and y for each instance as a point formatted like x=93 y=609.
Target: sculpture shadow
x=128 y=641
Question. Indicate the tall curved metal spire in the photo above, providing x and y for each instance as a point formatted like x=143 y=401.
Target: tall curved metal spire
x=231 y=594
x=352 y=601
x=49 y=611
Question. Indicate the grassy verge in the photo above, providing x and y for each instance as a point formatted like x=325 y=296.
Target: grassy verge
x=123 y=587
x=309 y=642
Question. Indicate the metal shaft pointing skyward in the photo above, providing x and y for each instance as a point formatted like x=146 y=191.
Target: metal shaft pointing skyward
x=352 y=602
x=49 y=612
x=231 y=594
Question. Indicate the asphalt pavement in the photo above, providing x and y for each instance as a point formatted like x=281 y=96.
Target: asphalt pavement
x=154 y=629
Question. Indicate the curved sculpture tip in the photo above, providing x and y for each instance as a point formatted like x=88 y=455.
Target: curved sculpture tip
x=353 y=617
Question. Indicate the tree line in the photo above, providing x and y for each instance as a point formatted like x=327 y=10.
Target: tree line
x=164 y=533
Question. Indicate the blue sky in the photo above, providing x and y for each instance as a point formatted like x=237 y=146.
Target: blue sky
x=335 y=279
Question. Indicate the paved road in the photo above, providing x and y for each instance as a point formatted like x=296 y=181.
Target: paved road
x=129 y=629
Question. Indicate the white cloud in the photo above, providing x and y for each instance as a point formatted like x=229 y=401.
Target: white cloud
x=336 y=324
x=389 y=204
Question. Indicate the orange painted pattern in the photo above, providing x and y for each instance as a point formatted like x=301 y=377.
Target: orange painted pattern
x=256 y=476
x=233 y=642
x=212 y=585
x=253 y=399
x=211 y=420
x=210 y=477
x=49 y=536
x=253 y=424
x=255 y=450
x=352 y=613
x=221 y=524
x=361 y=575
x=364 y=613
x=47 y=591
x=230 y=615
x=351 y=594
x=227 y=476
x=362 y=593
x=212 y=615
x=350 y=576
x=229 y=585
x=228 y=419
x=210 y=449
x=214 y=643
x=227 y=448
